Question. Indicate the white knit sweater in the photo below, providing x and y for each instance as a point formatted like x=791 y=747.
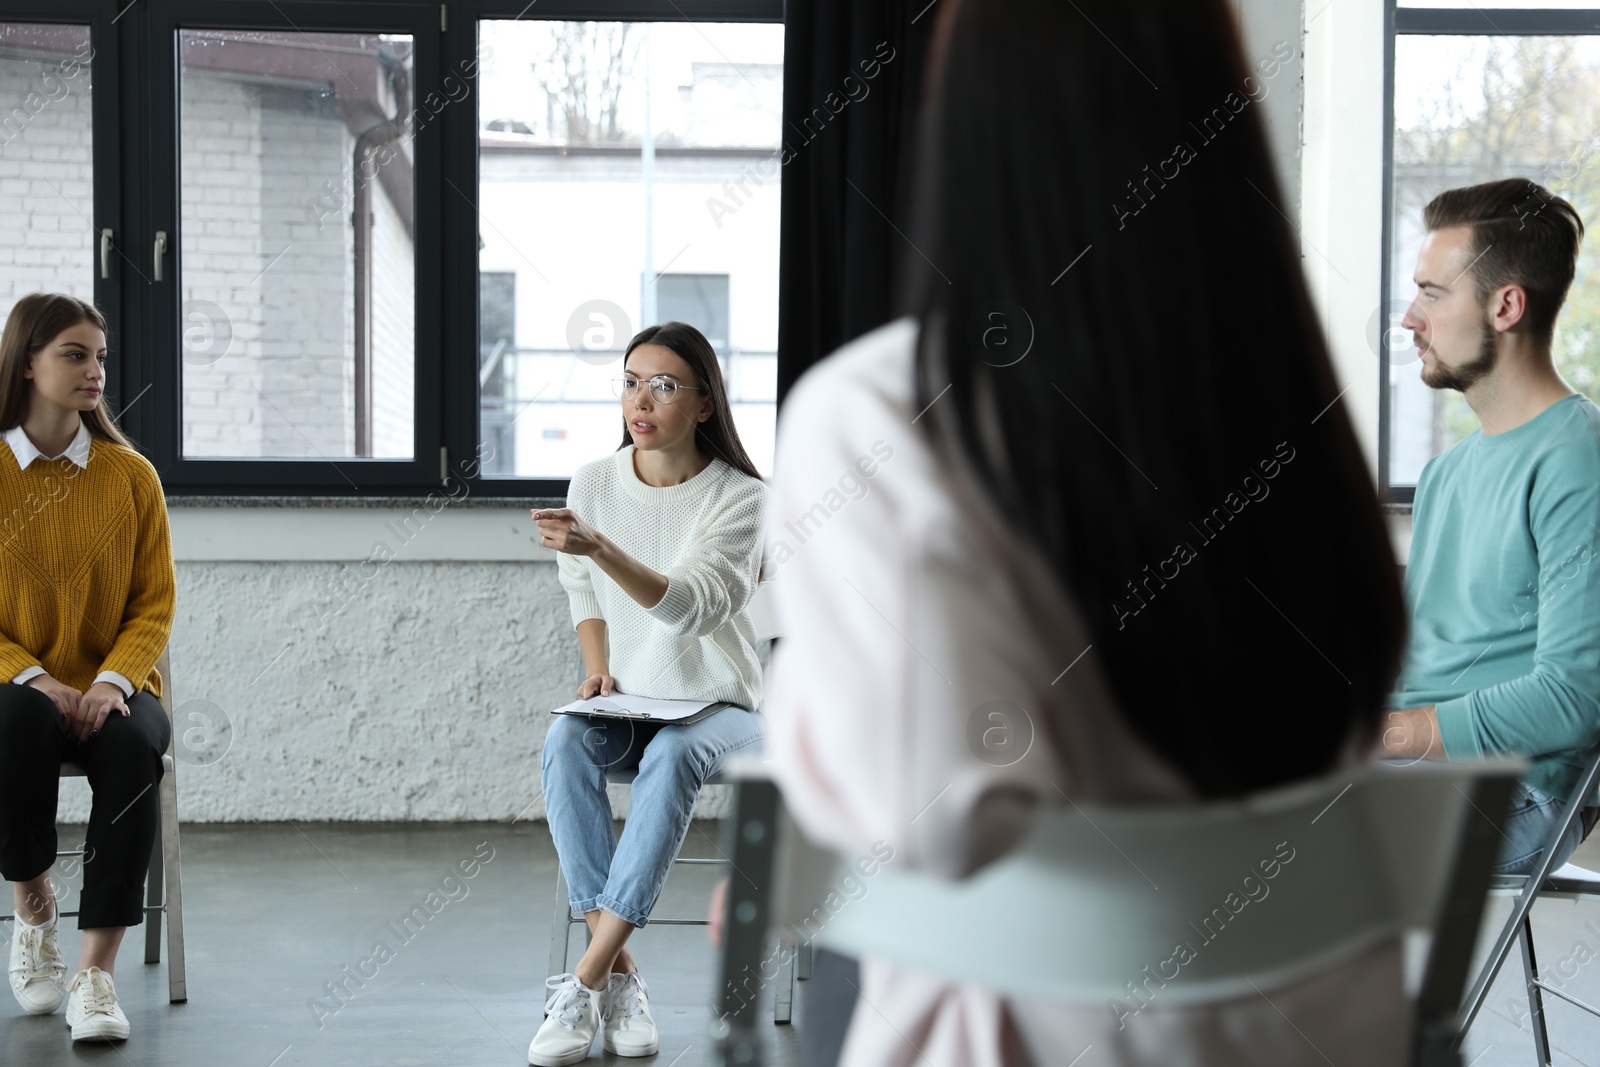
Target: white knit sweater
x=698 y=643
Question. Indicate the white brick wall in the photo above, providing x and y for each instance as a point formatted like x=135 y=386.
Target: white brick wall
x=309 y=368
x=252 y=158
x=220 y=400
x=46 y=206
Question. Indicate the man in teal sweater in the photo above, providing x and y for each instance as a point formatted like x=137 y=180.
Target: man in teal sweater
x=1503 y=583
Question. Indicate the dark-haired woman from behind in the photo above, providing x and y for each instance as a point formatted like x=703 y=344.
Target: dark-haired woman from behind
x=660 y=548
x=1118 y=467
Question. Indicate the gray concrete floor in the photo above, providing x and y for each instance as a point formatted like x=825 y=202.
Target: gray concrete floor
x=1567 y=941
x=274 y=912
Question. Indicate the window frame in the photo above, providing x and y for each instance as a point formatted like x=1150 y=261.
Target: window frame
x=1441 y=22
x=159 y=428
x=136 y=70
x=106 y=146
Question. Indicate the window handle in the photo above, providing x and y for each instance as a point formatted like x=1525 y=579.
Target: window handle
x=105 y=252
x=161 y=251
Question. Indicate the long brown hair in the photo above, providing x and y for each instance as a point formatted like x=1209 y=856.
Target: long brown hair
x=716 y=436
x=35 y=321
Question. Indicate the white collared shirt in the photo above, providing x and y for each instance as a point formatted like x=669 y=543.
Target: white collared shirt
x=25 y=451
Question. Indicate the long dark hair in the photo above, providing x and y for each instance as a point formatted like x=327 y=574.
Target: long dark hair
x=1178 y=390
x=717 y=436
x=35 y=321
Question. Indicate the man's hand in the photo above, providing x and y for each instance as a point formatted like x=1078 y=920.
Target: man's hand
x=96 y=706
x=1412 y=733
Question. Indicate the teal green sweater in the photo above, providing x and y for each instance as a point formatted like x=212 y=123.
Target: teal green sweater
x=1503 y=587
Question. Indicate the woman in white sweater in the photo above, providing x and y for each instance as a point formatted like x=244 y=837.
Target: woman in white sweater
x=660 y=548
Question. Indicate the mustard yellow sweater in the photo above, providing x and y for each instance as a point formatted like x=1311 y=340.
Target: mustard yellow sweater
x=86 y=579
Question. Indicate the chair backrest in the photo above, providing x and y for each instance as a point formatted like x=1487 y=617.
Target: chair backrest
x=164 y=668
x=1299 y=879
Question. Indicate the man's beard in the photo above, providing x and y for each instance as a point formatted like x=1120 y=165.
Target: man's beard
x=1459 y=378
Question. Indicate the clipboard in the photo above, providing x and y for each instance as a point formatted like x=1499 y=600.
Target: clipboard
x=643 y=709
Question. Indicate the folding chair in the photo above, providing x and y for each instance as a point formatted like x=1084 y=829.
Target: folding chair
x=164 y=872
x=1406 y=850
x=1569 y=883
x=564 y=918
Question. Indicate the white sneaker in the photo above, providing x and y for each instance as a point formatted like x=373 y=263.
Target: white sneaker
x=38 y=973
x=629 y=1029
x=92 y=1009
x=572 y=1018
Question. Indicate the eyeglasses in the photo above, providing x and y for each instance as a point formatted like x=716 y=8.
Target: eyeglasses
x=662 y=389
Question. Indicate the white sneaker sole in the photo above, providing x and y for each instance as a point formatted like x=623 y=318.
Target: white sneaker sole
x=40 y=1008
x=99 y=1030
x=546 y=1060
x=655 y=1047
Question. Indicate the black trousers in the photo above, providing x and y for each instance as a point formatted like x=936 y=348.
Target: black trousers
x=123 y=765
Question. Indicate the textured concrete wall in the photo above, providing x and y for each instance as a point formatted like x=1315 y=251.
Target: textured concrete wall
x=426 y=698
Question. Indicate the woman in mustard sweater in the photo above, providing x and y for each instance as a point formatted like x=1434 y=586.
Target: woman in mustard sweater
x=86 y=566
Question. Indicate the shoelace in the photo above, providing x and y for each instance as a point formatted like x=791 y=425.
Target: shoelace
x=35 y=962
x=629 y=993
x=567 y=1004
x=99 y=996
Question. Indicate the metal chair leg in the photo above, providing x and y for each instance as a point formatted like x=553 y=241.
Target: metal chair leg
x=1530 y=970
x=152 y=901
x=783 y=989
x=1530 y=892
x=172 y=866
x=560 y=926
x=802 y=964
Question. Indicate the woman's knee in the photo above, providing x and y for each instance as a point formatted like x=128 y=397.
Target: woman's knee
x=573 y=741
x=561 y=737
x=27 y=716
x=143 y=734
x=701 y=745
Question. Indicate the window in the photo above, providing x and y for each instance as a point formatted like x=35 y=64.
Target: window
x=297 y=253
x=1474 y=101
x=497 y=333
x=357 y=249
x=700 y=299
x=46 y=162
x=628 y=174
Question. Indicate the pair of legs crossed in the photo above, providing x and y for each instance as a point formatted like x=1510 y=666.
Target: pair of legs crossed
x=614 y=882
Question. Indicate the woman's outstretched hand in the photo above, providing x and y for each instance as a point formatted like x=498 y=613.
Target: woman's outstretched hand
x=562 y=530
x=597 y=685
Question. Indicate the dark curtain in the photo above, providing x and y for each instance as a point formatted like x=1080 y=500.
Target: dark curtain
x=852 y=86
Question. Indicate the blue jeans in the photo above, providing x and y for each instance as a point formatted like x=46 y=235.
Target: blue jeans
x=624 y=876
x=1533 y=817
